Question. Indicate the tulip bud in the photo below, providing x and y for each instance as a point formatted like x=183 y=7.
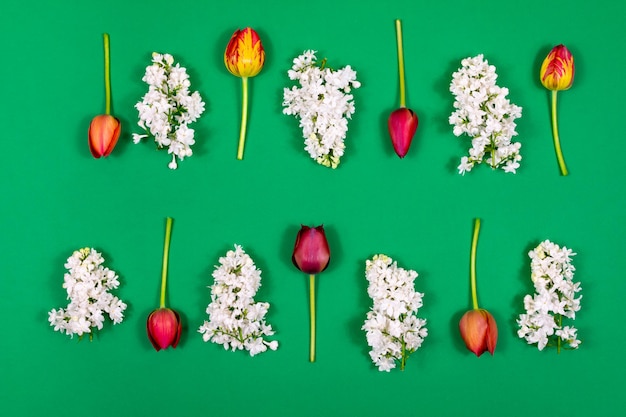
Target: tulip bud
x=164 y=327
x=479 y=331
x=311 y=253
x=244 y=56
x=104 y=131
x=402 y=125
x=557 y=70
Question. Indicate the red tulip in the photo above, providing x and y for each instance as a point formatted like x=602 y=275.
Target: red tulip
x=402 y=126
x=479 y=331
x=402 y=123
x=311 y=253
x=164 y=324
x=104 y=131
x=164 y=327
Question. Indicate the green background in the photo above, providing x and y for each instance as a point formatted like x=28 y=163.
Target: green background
x=419 y=211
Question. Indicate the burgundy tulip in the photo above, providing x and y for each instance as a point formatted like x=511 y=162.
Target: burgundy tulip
x=311 y=253
x=164 y=327
x=479 y=331
x=402 y=125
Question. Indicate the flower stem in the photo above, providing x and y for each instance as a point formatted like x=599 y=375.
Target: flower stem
x=473 y=263
x=166 y=253
x=558 y=338
x=403 y=361
x=400 y=62
x=555 y=136
x=107 y=75
x=244 y=118
x=312 y=317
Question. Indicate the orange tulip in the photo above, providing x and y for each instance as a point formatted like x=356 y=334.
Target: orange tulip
x=556 y=74
x=244 y=57
x=104 y=131
x=478 y=327
x=479 y=331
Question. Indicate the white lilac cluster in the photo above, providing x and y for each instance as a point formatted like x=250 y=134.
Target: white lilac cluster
x=393 y=329
x=87 y=284
x=235 y=320
x=552 y=274
x=323 y=104
x=168 y=108
x=485 y=114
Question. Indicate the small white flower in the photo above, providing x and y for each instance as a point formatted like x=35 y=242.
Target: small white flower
x=483 y=112
x=87 y=284
x=393 y=330
x=168 y=107
x=552 y=274
x=236 y=321
x=322 y=104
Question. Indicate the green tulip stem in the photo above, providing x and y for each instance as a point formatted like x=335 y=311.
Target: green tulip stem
x=312 y=317
x=558 y=338
x=555 y=136
x=403 y=361
x=400 y=62
x=166 y=254
x=107 y=75
x=473 y=263
x=244 y=118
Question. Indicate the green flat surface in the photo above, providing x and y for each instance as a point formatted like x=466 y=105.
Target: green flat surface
x=419 y=211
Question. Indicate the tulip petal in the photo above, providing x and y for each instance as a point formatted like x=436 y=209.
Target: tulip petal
x=179 y=330
x=402 y=124
x=492 y=333
x=149 y=331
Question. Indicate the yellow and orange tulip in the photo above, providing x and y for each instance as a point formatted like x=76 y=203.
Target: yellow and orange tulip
x=244 y=58
x=557 y=70
x=556 y=74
